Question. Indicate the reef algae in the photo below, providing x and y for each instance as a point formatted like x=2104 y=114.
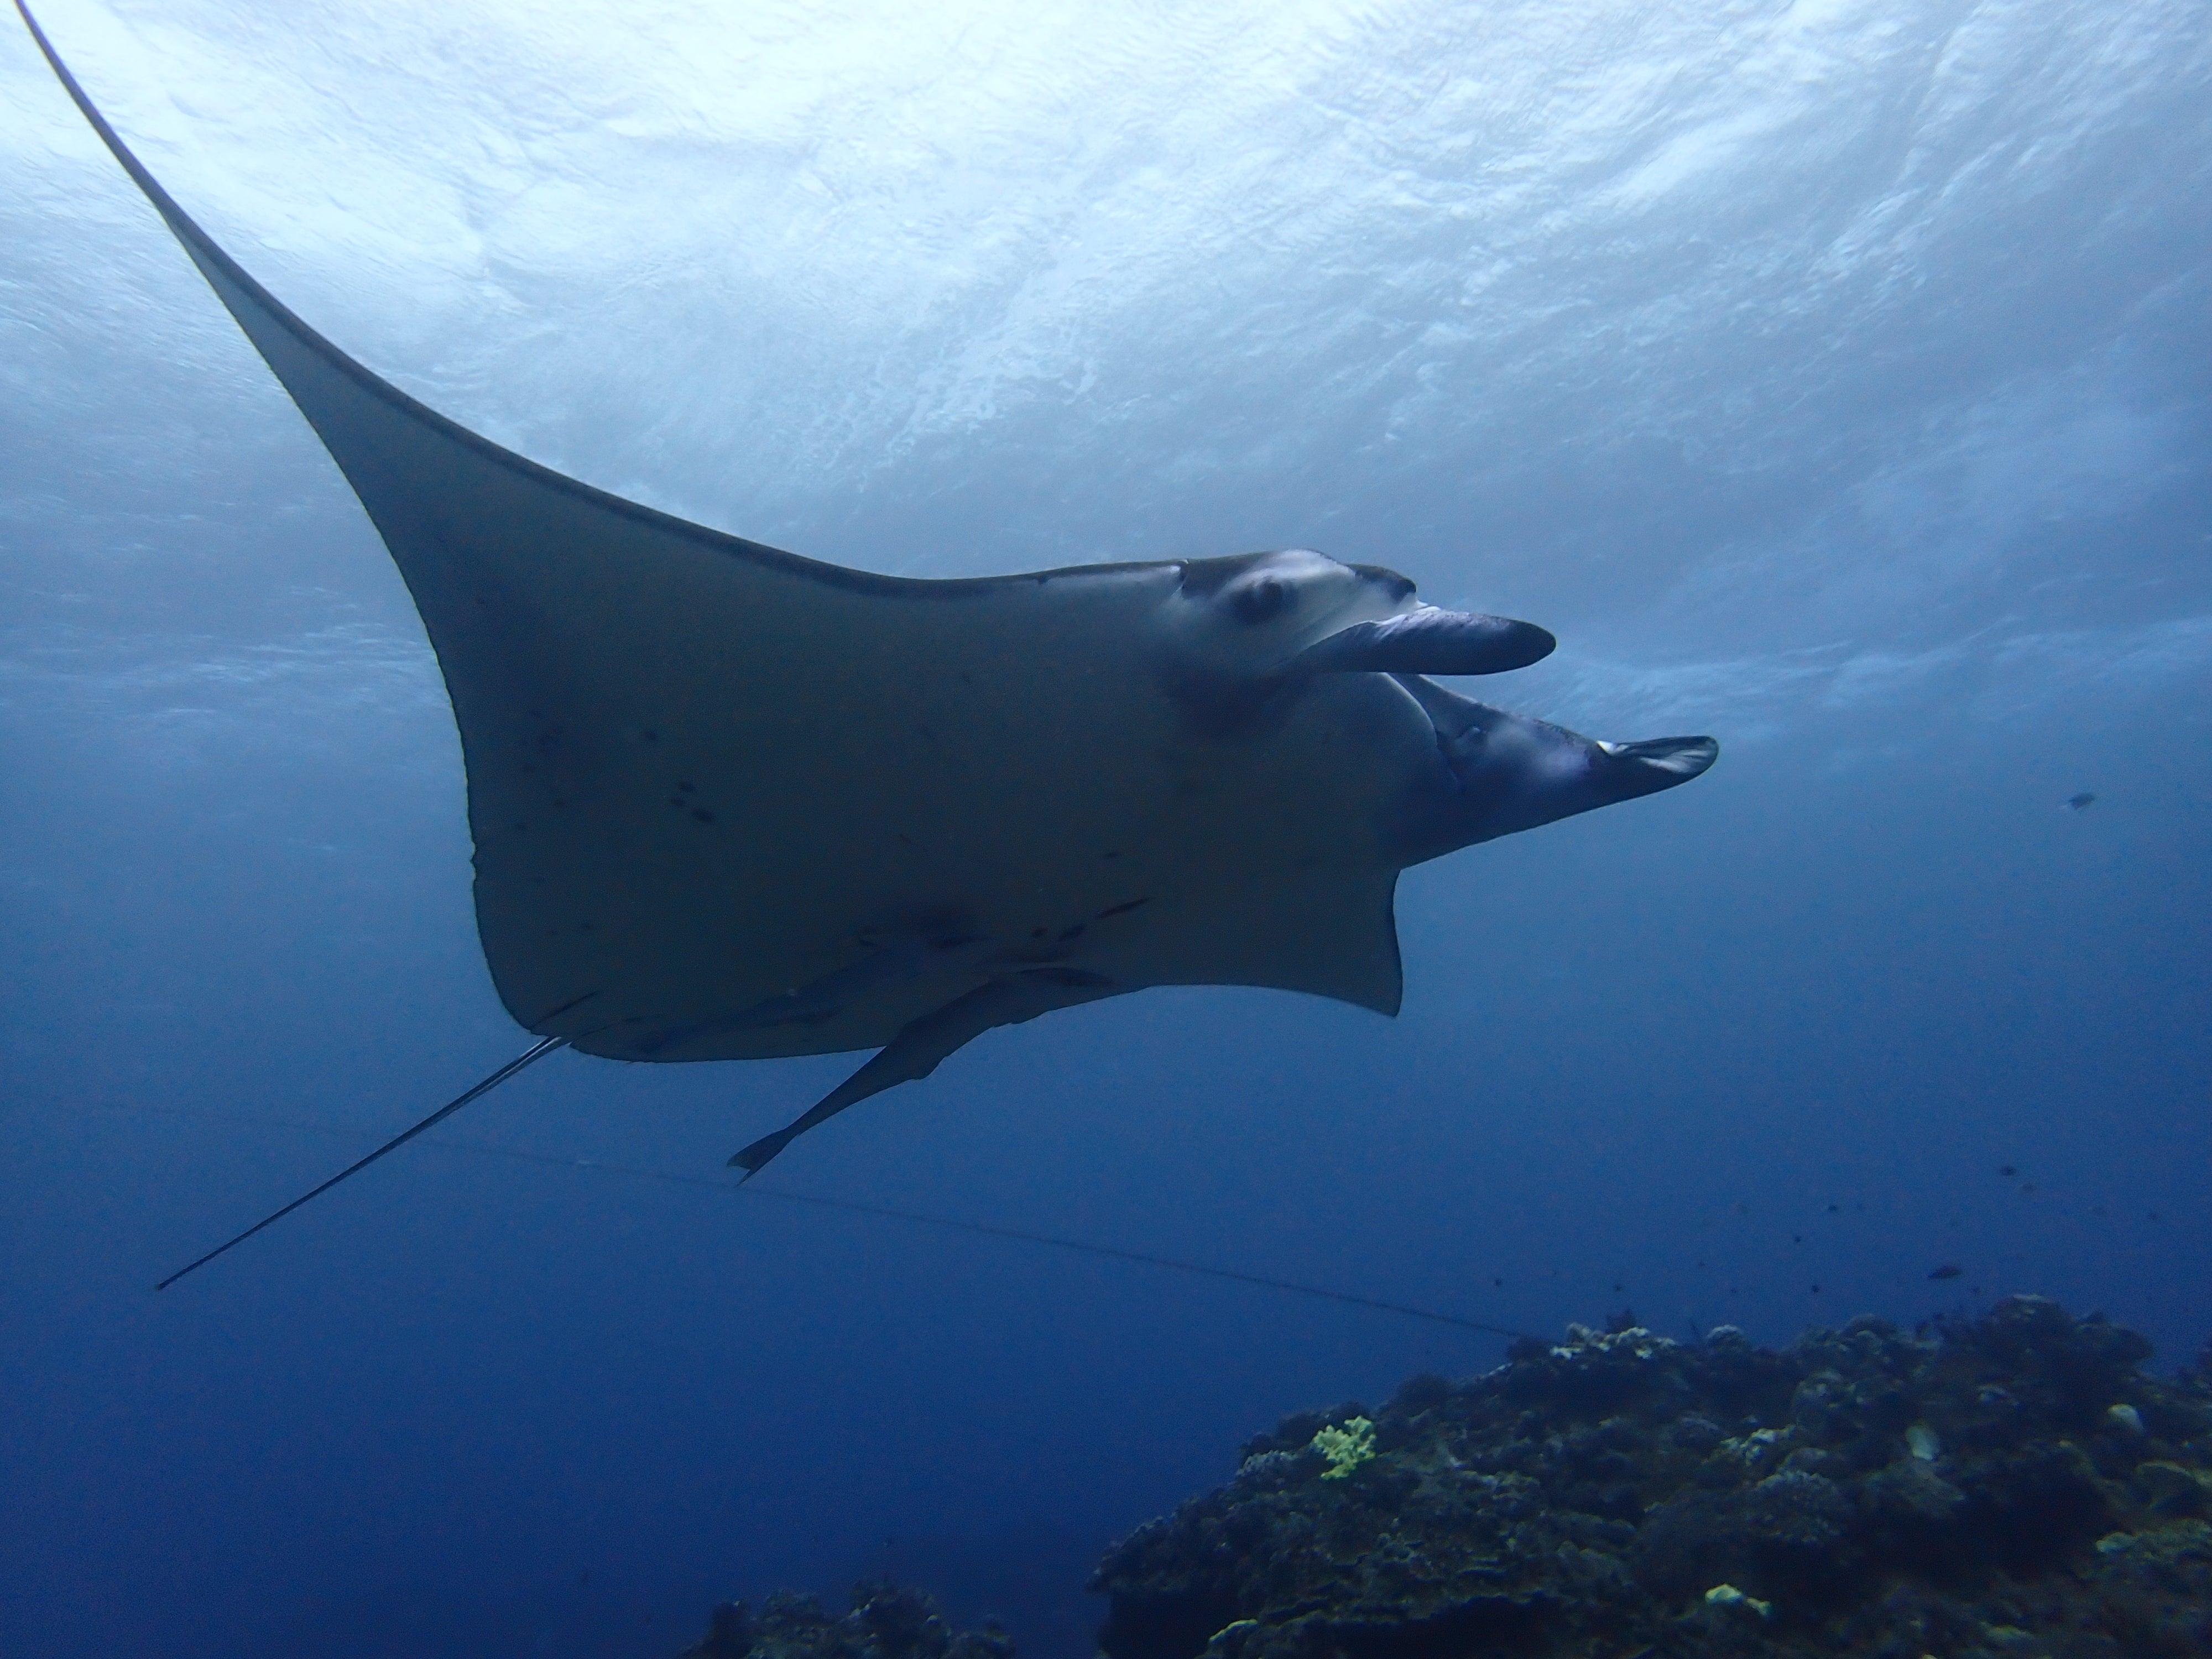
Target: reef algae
x=1623 y=1494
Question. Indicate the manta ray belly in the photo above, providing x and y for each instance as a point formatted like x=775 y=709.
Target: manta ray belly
x=753 y=784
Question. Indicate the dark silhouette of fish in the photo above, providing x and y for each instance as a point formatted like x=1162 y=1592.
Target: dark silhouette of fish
x=2077 y=802
x=1946 y=1271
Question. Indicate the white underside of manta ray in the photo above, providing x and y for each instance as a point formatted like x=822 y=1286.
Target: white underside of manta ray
x=729 y=803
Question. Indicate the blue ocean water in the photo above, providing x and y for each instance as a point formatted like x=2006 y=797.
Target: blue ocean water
x=1833 y=377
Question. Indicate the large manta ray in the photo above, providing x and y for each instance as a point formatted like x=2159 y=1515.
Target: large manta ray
x=730 y=803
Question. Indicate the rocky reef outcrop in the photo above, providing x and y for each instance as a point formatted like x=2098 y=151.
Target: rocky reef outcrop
x=2011 y=1485
x=886 y=1621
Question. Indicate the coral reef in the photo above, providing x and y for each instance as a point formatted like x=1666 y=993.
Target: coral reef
x=2012 y=1486
x=885 y=1622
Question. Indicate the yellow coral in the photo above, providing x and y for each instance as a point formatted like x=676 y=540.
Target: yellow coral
x=1346 y=1448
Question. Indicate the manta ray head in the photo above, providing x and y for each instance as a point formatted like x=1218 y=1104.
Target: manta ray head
x=1240 y=637
x=1251 y=614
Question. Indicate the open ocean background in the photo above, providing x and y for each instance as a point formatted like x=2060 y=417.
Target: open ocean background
x=1835 y=378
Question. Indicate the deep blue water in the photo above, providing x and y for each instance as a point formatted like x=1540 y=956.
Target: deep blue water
x=1832 y=379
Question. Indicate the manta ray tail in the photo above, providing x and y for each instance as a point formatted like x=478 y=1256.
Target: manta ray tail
x=917 y=1051
x=542 y=1049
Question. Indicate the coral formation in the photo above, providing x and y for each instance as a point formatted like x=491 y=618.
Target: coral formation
x=885 y=1622
x=1345 y=1448
x=2011 y=1485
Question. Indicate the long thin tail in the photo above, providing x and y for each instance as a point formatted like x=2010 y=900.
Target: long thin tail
x=540 y=1052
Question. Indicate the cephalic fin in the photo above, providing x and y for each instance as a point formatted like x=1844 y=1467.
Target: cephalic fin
x=1428 y=641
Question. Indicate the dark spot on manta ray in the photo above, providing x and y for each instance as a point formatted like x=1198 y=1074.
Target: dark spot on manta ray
x=1124 y=908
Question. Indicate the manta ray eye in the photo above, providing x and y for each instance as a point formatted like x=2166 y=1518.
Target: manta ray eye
x=1257 y=601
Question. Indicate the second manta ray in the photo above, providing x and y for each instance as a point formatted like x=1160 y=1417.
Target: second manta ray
x=729 y=803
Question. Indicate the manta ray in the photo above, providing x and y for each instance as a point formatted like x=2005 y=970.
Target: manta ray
x=729 y=803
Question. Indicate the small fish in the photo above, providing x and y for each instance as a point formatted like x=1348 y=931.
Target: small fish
x=2077 y=802
x=1946 y=1271
x=2007 y=1170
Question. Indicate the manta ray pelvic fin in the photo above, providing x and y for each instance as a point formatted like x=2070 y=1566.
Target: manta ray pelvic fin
x=916 y=1052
